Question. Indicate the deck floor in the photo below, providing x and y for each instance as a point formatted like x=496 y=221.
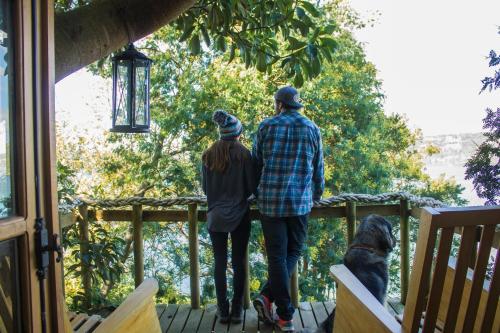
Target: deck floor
x=176 y=318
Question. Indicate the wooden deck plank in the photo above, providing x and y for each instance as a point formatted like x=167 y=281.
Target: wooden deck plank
x=297 y=321
x=207 y=321
x=307 y=315
x=78 y=320
x=89 y=324
x=180 y=319
x=71 y=315
x=235 y=328
x=396 y=305
x=168 y=316
x=319 y=311
x=159 y=309
x=219 y=327
x=193 y=321
x=329 y=306
x=251 y=322
x=265 y=328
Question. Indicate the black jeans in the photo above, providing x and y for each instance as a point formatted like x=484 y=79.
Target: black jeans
x=239 y=238
x=284 y=238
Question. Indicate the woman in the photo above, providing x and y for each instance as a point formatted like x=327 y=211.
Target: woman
x=228 y=180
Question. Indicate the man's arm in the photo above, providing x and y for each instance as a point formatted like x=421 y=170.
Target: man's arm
x=257 y=153
x=318 y=165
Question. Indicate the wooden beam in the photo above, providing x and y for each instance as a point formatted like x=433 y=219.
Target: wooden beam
x=84 y=254
x=350 y=209
x=194 y=261
x=138 y=245
x=294 y=287
x=404 y=234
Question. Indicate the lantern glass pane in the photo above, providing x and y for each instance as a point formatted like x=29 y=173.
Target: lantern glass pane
x=141 y=92
x=122 y=100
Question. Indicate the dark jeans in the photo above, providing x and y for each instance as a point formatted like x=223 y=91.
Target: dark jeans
x=239 y=238
x=285 y=238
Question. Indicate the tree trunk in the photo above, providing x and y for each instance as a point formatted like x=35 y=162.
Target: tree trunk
x=91 y=32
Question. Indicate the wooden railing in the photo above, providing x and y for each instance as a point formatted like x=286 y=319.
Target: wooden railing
x=351 y=211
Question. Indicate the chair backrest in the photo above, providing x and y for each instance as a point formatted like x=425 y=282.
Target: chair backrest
x=137 y=314
x=430 y=267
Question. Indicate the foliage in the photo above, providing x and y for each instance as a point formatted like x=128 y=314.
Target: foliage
x=296 y=36
x=366 y=151
x=484 y=166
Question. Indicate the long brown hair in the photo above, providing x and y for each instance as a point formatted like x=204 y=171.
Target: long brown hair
x=218 y=157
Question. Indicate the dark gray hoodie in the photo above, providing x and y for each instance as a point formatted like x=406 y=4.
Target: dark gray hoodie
x=227 y=192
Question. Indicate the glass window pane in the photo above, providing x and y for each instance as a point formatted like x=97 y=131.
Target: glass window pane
x=6 y=108
x=9 y=287
x=122 y=100
x=140 y=93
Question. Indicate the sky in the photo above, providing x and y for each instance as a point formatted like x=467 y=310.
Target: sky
x=431 y=56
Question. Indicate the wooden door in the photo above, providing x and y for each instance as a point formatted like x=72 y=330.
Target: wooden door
x=29 y=300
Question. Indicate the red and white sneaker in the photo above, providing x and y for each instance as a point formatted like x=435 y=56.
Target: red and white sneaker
x=284 y=325
x=264 y=309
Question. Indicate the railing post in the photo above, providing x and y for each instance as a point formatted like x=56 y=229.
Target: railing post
x=138 y=244
x=194 y=263
x=294 y=287
x=351 y=220
x=404 y=218
x=246 y=301
x=84 y=255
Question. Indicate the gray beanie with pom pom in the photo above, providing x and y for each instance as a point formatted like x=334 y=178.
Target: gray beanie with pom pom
x=229 y=126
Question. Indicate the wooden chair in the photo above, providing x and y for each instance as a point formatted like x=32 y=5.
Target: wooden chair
x=137 y=314
x=453 y=297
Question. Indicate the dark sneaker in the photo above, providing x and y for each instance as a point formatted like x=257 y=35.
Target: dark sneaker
x=236 y=314
x=284 y=325
x=223 y=314
x=264 y=309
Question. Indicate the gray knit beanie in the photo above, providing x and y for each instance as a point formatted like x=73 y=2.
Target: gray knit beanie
x=229 y=126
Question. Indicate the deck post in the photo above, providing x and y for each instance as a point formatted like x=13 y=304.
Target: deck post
x=351 y=220
x=404 y=218
x=246 y=300
x=138 y=244
x=84 y=255
x=194 y=262
x=294 y=287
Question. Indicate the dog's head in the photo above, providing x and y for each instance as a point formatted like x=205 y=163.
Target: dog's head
x=376 y=231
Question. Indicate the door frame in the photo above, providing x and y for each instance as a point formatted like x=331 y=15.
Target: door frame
x=28 y=98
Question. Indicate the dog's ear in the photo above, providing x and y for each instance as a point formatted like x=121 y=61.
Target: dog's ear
x=386 y=240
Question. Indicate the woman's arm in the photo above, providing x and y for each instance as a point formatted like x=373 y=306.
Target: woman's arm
x=204 y=178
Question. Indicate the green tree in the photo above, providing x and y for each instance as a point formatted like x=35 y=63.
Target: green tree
x=366 y=151
x=484 y=166
x=253 y=30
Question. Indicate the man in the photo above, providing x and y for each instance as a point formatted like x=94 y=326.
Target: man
x=289 y=158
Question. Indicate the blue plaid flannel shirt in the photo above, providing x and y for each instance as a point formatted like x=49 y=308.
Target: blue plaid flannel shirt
x=289 y=160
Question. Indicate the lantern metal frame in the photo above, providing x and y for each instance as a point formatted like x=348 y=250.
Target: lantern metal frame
x=131 y=57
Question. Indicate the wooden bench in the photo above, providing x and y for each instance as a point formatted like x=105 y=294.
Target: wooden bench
x=137 y=314
x=444 y=295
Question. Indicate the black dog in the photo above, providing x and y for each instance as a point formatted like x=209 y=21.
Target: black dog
x=367 y=259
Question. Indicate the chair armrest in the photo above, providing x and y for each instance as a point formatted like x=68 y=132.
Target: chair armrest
x=357 y=309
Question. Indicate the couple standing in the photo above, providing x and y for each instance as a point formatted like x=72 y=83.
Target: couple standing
x=285 y=171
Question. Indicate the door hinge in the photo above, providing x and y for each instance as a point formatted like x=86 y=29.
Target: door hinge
x=43 y=248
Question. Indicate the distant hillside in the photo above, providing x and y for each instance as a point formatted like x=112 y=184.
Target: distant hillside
x=455 y=150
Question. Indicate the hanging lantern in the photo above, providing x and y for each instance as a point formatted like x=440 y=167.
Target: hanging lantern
x=131 y=92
